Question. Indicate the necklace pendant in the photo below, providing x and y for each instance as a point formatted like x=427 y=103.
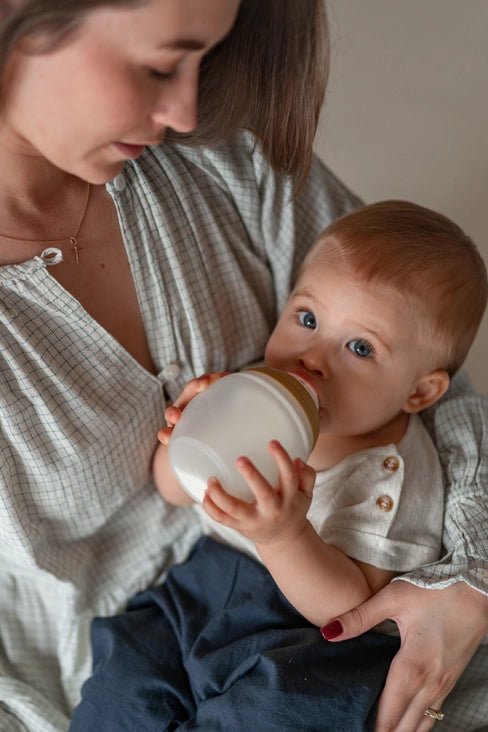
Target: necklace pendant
x=74 y=243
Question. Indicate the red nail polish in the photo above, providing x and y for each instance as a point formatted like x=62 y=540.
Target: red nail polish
x=332 y=630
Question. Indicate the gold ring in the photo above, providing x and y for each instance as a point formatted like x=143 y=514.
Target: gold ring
x=434 y=714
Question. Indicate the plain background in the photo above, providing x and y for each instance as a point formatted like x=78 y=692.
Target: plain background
x=406 y=114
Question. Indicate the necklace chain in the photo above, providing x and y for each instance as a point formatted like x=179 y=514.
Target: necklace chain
x=73 y=239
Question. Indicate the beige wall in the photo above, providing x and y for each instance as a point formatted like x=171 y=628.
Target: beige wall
x=406 y=113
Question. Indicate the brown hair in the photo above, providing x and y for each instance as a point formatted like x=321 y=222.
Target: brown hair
x=268 y=75
x=427 y=258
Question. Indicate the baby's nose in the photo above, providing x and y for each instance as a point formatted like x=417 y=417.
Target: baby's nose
x=312 y=363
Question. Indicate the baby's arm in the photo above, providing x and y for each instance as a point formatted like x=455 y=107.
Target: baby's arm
x=318 y=579
x=163 y=474
x=166 y=481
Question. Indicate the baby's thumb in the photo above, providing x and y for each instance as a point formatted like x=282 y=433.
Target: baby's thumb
x=356 y=621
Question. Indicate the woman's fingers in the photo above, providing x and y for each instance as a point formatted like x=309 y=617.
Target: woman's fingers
x=440 y=631
x=407 y=694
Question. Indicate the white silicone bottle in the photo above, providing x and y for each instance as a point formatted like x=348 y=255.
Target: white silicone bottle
x=239 y=415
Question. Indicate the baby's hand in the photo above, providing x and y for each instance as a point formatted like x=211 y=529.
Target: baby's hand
x=278 y=513
x=173 y=413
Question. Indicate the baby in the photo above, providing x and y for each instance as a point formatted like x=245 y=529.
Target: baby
x=383 y=312
x=385 y=308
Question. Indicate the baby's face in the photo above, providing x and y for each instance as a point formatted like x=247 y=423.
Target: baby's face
x=356 y=341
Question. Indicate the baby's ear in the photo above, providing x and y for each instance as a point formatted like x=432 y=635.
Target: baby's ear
x=428 y=390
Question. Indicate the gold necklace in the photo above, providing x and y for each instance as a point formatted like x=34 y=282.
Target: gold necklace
x=73 y=239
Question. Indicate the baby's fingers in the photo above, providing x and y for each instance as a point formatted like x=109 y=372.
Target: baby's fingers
x=287 y=468
x=164 y=435
x=262 y=490
x=195 y=386
x=190 y=390
x=223 y=507
x=306 y=477
x=172 y=415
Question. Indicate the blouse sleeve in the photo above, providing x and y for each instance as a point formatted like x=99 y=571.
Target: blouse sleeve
x=291 y=223
x=459 y=427
x=281 y=224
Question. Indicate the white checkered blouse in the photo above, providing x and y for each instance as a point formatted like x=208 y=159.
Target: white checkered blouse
x=213 y=239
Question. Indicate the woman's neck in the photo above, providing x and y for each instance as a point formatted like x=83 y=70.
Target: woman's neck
x=26 y=174
x=37 y=199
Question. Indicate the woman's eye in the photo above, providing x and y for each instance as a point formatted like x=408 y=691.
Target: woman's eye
x=161 y=75
x=361 y=348
x=307 y=319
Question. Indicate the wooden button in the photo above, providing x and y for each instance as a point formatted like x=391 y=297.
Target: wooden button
x=391 y=463
x=384 y=503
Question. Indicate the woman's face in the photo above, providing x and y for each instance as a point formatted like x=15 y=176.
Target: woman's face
x=114 y=87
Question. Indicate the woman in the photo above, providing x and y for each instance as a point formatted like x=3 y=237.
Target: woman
x=113 y=296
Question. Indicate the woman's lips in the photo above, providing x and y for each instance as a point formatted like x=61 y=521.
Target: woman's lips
x=130 y=151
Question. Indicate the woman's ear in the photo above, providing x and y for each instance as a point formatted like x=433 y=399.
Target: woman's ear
x=428 y=390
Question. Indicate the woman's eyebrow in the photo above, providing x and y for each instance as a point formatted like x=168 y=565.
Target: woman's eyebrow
x=184 y=44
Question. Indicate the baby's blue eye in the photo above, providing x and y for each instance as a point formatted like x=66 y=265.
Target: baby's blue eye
x=361 y=348
x=307 y=319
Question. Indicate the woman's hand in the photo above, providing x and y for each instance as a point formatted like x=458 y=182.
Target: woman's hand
x=440 y=631
x=173 y=413
x=278 y=513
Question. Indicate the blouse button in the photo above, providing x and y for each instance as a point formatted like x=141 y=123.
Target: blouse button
x=384 y=503
x=391 y=463
x=52 y=255
x=171 y=371
x=119 y=182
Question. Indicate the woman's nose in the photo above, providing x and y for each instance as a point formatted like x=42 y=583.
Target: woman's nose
x=177 y=105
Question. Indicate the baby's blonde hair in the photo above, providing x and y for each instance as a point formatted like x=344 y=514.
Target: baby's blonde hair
x=425 y=257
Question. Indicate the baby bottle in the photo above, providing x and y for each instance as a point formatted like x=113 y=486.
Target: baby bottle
x=239 y=415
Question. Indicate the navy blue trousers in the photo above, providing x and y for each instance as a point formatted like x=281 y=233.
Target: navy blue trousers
x=218 y=648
